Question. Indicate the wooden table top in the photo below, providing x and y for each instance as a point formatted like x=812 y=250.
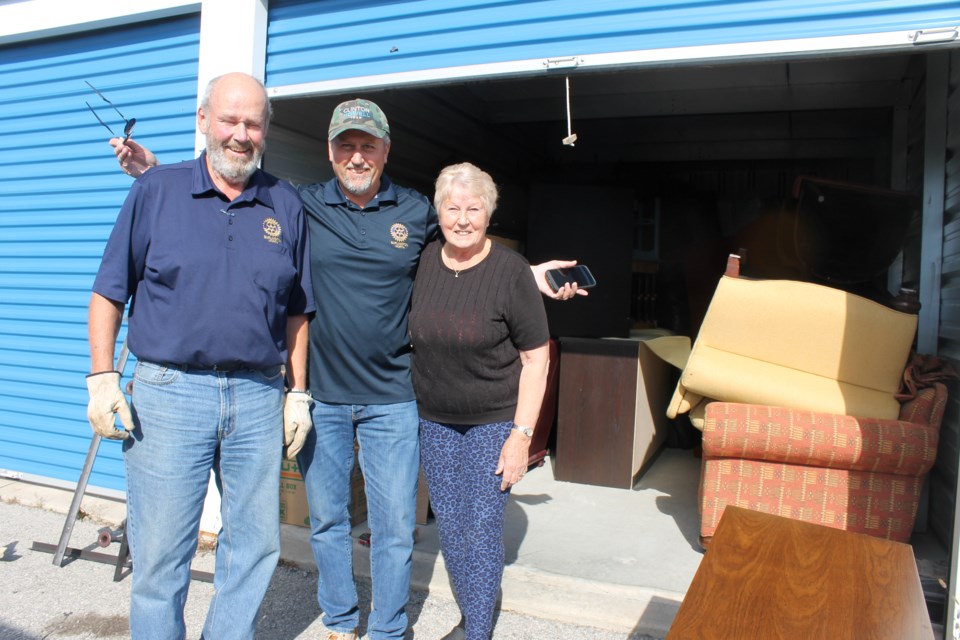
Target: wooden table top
x=766 y=576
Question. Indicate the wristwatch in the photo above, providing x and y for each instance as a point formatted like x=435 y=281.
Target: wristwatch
x=527 y=431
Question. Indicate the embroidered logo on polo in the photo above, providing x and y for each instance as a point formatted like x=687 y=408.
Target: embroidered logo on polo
x=399 y=233
x=271 y=230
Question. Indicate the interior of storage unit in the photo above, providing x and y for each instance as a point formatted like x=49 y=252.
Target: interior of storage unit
x=673 y=168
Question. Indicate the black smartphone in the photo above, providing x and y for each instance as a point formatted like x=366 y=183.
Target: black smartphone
x=580 y=274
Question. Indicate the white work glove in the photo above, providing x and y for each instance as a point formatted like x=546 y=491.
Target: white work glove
x=106 y=399
x=297 y=421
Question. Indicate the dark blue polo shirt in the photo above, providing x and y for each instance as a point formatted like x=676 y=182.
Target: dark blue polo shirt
x=212 y=281
x=363 y=262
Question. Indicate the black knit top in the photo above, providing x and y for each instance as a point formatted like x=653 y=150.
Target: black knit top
x=467 y=329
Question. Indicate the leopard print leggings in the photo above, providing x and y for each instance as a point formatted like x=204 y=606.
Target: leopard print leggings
x=469 y=507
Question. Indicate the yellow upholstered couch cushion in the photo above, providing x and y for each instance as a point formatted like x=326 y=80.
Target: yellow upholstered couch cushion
x=797 y=344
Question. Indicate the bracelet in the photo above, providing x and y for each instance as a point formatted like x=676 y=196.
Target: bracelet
x=100 y=373
x=296 y=390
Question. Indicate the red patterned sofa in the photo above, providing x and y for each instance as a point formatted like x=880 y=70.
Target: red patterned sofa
x=858 y=474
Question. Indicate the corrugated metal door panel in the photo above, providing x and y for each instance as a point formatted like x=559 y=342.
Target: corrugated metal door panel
x=317 y=40
x=108 y=469
x=943 y=478
x=31 y=262
x=110 y=190
x=50 y=296
x=59 y=356
x=60 y=191
x=39 y=327
x=60 y=227
x=21 y=314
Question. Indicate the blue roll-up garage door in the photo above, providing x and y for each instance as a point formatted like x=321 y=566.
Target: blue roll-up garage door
x=60 y=191
x=312 y=41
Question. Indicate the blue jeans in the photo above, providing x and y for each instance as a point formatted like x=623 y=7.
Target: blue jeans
x=390 y=461
x=187 y=423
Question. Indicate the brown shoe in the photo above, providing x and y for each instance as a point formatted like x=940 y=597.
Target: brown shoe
x=341 y=635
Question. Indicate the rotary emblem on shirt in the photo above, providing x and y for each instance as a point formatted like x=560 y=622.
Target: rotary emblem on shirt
x=399 y=234
x=271 y=230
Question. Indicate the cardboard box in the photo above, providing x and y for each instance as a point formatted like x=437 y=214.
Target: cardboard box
x=293 y=496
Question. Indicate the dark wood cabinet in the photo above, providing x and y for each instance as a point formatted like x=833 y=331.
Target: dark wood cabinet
x=611 y=413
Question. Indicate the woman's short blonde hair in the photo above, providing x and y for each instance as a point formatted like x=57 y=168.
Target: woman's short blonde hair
x=469 y=177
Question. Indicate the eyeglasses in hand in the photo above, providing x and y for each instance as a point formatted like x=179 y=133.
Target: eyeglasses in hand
x=128 y=124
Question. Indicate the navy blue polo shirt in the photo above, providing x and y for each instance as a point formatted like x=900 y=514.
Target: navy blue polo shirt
x=363 y=262
x=212 y=281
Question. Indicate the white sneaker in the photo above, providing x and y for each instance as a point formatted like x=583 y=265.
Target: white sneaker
x=341 y=635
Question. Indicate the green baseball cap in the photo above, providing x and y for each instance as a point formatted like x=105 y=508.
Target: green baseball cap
x=361 y=115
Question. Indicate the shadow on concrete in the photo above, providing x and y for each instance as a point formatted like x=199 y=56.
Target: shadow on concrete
x=657 y=615
x=10 y=554
x=13 y=633
x=516 y=523
x=679 y=486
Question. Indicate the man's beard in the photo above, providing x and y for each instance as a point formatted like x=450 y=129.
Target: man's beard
x=231 y=169
x=357 y=185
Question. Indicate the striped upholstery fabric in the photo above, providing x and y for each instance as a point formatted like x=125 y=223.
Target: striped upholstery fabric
x=857 y=474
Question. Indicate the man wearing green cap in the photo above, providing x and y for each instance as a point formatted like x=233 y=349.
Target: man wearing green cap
x=366 y=234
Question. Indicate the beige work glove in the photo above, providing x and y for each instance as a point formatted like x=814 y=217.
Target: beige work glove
x=297 y=421
x=106 y=399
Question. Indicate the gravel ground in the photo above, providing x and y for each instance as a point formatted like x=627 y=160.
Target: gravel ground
x=81 y=601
